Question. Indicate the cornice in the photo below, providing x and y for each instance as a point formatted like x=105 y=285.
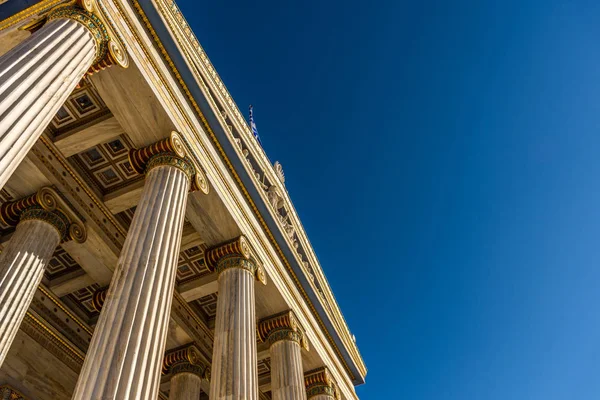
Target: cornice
x=271 y=186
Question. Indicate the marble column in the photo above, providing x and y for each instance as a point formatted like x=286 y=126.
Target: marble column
x=42 y=220
x=125 y=356
x=187 y=372
x=37 y=76
x=234 y=363
x=286 y=339
x=320 y=385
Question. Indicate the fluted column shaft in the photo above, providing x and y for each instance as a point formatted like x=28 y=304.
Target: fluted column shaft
x=185 y=386
x=125 y=356
x=322 y=397
x=287 y=375
x=36 y=77
x=22 y=265
x=234 y=363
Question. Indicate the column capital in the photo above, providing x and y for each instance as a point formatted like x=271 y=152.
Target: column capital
x=8 y=392
x=282 y=326
x=171 y=151
x=49 y=206
x=99 y=297
x=108 y=50
x=320 y=382
x=185 y=359
x=234 y=254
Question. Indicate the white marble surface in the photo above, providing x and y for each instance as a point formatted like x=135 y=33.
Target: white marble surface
x=22 y=265
x=185 y=386
x=36 y=78
x=127 y=349
x=322 y=397
x=234 y=374
x=287 y=375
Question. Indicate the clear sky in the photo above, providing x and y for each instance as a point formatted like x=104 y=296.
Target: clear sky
x=444 y=159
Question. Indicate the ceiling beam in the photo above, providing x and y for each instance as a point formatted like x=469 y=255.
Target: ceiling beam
x=92 y=134
x=199 y=288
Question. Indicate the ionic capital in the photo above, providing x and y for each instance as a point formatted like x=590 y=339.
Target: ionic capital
x=234 y=254
x=185 y=359
x=283 y=326
x=320 y=382
x=108 y=50
x=98 y=298
x=49 y=206
x=171 y=151
x=8 y=392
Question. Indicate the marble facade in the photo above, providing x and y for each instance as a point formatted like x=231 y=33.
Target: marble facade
x=149 y=249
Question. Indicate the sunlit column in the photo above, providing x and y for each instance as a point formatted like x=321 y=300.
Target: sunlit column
x=125 y=356
x=320 y=385
x=234 y=364
x=42 y=220
x=187 y=372
x=286 y=339
x=37 y=76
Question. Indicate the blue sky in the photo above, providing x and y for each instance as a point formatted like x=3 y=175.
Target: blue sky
x=443 y=157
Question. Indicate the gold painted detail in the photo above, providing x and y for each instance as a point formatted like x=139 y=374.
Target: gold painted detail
x=170 y=151
x=234 y=254
x=282 y=326
x=99 y=298
x=239 y=247
x=9 y=393
x=49 y=206
x=185 y=359
x=171 y=160
x=233 y=261
x=90 y=21
x=320 y=382
x=29 y=12
x=56 y=219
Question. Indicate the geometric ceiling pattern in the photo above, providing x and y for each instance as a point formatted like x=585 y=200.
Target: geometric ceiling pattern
x=191 y=264
x=83 y=299
x=60 y=264
x=207 y=305
x=107 y=165
x=83 y=106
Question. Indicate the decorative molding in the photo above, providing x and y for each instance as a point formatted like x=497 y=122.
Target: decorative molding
x=282 y=326
x=7 y=392
x=238 y=247
x=99 y=297
x=47 y=205
x=234 y=254
x=37 y=329
x=170 y=151
x=109 y=50
x=185 y=359
x=88 y=20
x=320 y=382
